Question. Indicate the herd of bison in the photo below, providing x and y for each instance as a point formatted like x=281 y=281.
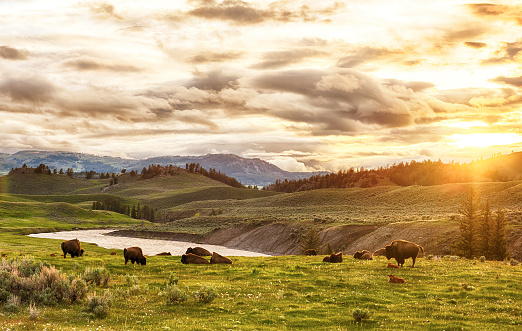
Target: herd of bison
x=400 y=250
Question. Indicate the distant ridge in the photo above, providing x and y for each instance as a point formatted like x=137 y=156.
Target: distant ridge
x=247 y=171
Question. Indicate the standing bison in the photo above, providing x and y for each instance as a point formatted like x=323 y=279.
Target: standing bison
x=401 y=250
x=72 y=247
x=199 y=251
x=134 y=254
x=364 y=255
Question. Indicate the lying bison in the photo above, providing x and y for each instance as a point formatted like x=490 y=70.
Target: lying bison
x=72 y=247
x=401 y=250
x=334 y=258
x=193 y=259
x=364 y=255
x=392 y=266
x=380 y=252
x=216 y=258
x=199 y=251
x=393 y=279
x=134 y=254
x=164 y=254
x=310 y=252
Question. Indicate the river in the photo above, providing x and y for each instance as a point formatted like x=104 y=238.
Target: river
x=149 y=246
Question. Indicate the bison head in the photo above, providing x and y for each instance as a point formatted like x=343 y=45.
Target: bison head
x=82 y=251
x=389 y=252
x=189 y=250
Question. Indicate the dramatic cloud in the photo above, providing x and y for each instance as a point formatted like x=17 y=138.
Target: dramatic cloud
x=474 y=44
x=507 y=54
x=513 y=81
x=87 y=64
x=207 y=57
x=10 y=53
x=280 y=59
x=498 y=11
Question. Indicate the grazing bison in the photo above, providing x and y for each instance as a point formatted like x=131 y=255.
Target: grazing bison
x=193 y=259
x=113 y=253
x=164 y=254
x=392 y=266
x=134 y=254
x=380 y=252
x=334 y=258
x=364 y=255
x=72 y=247
x=401 y=250
x=310 y=252
x=393 y=279
x=200 y=251
x=216 y=258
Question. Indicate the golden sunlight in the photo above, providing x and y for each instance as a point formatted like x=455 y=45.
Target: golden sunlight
x=485 y=139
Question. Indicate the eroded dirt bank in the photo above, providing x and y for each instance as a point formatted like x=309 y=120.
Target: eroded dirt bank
x=436 y=237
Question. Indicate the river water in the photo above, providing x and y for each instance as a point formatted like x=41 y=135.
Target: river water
x=149 y=246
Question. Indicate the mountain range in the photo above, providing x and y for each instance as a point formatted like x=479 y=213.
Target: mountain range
x=247 y=171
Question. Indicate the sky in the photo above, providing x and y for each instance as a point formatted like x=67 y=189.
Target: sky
x=305 y=85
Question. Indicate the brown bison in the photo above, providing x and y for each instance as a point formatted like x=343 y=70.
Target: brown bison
x=393 y=279
x=53 y=255
x=380 y=252
x=364 y=255
x=4 y=255
x=113 y=253
x=193 y=259
x=164 y=254
x=401 y=250
x=310 y=252
x=216 y=258
x=334 y=258
x=72 y=247
x=200 y=251
x=392 y=266
x=134 y=254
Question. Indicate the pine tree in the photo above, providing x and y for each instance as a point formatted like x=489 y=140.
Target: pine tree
x=310 y=241
x=484 y=232
x=498 y=236
x=470 y=208
x=329 y=249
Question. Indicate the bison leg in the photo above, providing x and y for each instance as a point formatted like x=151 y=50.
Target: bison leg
x=413 y=265
x=126 y=259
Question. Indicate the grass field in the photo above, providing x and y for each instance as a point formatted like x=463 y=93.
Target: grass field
x=278 y=293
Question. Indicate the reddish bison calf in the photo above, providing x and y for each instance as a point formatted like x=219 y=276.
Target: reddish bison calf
x=364 y=255
x=392 y=266
x=200 y=251
x=134 y=254
x=193 y=259
x=393 y=279
x=401 y=250
x=216 y=258
x=72 y=247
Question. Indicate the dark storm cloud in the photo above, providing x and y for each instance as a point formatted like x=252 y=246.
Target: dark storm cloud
x=513 y=81
x=10 y=53
x=243 y=13
x=506 y=54
x=33 y=90
x=474 y=44
x=207 y=57
x=273 y=60
x=85 y=64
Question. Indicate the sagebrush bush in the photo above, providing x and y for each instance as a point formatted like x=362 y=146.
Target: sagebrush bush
x=173 y=279
x=175 y=294
x=360 y=314
x=429 y=257
x=98 y=276
x=482 y=258
x=513 y=262
x=131 y=280
x=205 y=294
x=99 y=305
x=36 y=282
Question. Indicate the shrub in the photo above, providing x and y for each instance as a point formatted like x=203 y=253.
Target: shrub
x=429 y=257
x=98 y=276
x=175 y=294
x=513 y=262
x=360 y=314
x=99 y=305
x=173 y=280
x=33 y=311
x=205 y=294
x=131 y=280
x=482 y=258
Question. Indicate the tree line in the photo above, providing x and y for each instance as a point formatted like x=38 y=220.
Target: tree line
x=213 y=174
x=137 y=212
x=423 y=173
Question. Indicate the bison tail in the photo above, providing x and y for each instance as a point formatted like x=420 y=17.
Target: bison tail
x=422 y=249
x=124 y=251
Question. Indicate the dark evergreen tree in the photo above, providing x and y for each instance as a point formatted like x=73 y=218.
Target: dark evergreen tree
x=470 y=209
x=310 y=241
x=498 y=236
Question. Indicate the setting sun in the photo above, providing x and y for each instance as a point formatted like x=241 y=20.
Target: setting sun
x=485 y=139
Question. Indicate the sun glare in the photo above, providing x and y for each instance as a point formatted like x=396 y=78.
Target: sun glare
x=485 y=139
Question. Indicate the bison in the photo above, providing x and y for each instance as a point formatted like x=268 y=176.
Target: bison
x=53 y=255
x=334 y=258
x=310 y=252
x=380 y=252
x=113 y=253
x=392 y=266
x=364 y=255
x=193 y=259
x=393 y=279
x=401 y=250
x=134 y=254
x=72 y=247
x=216 y=258
x=164 y=254
x=200 y=251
